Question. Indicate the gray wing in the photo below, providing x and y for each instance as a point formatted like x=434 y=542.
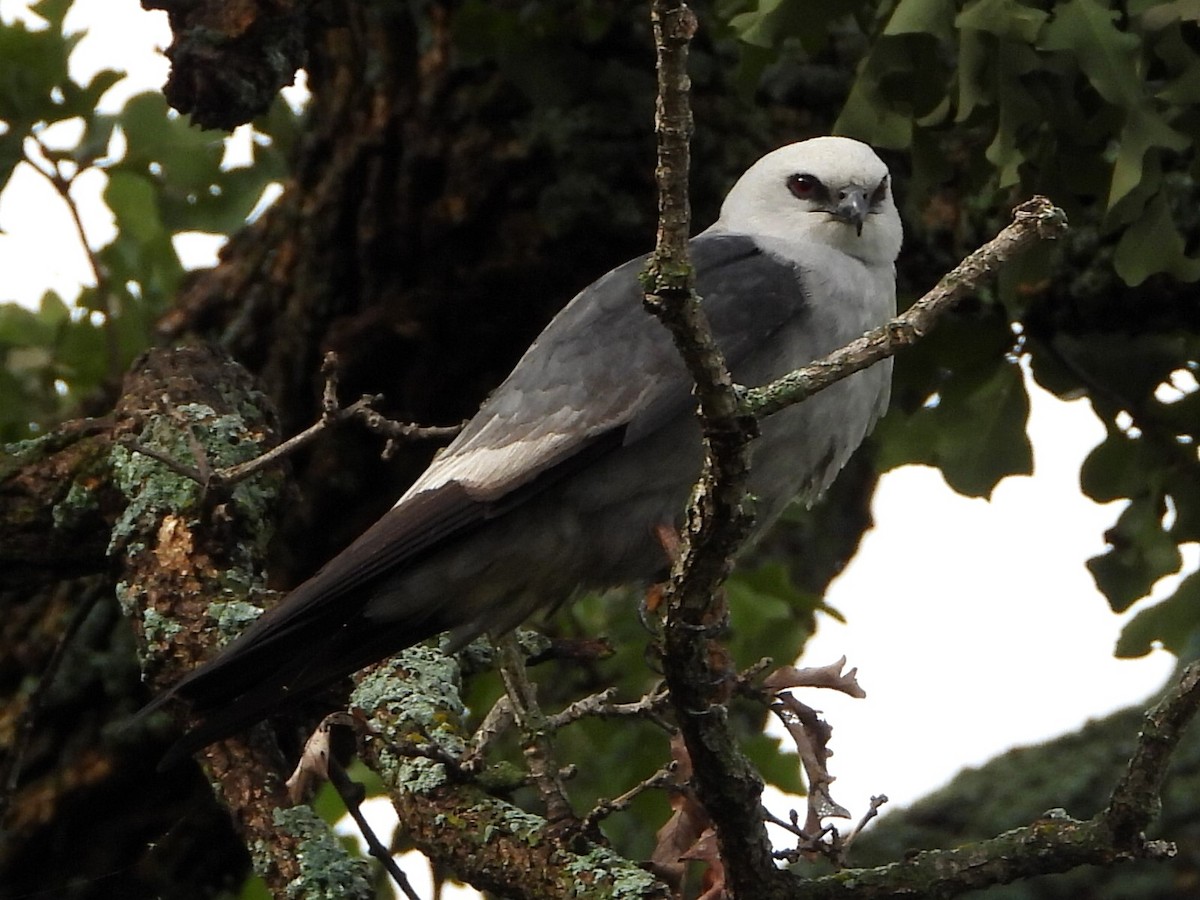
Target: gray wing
x=604 y=363
x=603 y=374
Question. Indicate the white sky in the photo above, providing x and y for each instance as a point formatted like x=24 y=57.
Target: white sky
x=974 y=625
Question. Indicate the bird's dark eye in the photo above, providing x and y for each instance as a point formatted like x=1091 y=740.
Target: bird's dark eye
x=880 y=193
x=805 y=187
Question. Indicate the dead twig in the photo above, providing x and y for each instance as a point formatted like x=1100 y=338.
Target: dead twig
x=663 y=778
x=600 y=705
x=332 y=414
x=539 y=747
x=353 y=794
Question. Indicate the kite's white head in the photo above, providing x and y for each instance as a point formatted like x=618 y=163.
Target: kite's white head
x=829 y=190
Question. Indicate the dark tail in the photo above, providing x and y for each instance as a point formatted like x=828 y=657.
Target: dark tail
x=279 y=663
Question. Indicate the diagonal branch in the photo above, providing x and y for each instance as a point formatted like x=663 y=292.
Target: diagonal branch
x=1036 y=219
x=483 y=840
x=1055 y=843
x=332 y=414
x=1136 y=799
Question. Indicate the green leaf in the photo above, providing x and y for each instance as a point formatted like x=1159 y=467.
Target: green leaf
x=254 y=888
x=1141 y=553
x=1184 y=490
x=761 y=26
x=1181 y=86
x=1120 y=467
x=777 y=766
x=134 y=201
x=1143 y=129
x=996 y=445
x=1006 y=19
x=1104 y=53
x=1171 y=623
x=82 y=100
x=52 y=311
x=83 y=355
x=770 y=22
x=1156 y=15
x=94 y=144
x=975 y=430
x=1152 y=245
x=935 y=17
x=974 y=87
x=280 y=128
x=772 y=616
x=160 y=142
x=32 y=65
x=1019 y=113
x=20 y=327
x=868 y=114
x=53 y=11
x=1125 y=365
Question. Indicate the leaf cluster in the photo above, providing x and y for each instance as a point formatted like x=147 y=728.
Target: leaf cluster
x=163 y=179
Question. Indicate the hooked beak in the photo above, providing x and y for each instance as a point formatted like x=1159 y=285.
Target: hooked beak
x=852 y=207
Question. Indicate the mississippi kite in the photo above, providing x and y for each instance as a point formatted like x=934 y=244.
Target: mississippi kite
x=591 y=445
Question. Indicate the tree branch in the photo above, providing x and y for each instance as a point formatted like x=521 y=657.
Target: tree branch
x=228 y=61
x=492 y=844
x=695 y=668
x=59 y=502
x=187 y=560
x=536 y=732
x=1055 y=843
x=332 y=414
x=1034 y=220
x=1136 y=799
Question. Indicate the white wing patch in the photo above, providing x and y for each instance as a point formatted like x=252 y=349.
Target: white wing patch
x=491 y=471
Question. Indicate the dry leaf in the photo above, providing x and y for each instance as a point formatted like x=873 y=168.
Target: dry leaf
x=682 y=832
x=830 y=676
x=313 y=767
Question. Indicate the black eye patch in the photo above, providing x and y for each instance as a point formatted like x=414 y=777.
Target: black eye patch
x=807 y=187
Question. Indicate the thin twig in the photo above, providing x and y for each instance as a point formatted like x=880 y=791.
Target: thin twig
x=1034 y=220
x=539 y=747
x=497 y=721
x=352 y=794
x=1056 y=843
x=62 y=186
x=242 y=471
x=332 y=415
x=183 y=470
x=600 y=705
x=791 y=825
x=664 y=777
x=877 y=801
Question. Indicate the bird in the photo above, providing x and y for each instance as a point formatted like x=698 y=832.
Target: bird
x=572 y=466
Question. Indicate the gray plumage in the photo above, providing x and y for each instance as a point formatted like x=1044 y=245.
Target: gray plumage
x=560 y=480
